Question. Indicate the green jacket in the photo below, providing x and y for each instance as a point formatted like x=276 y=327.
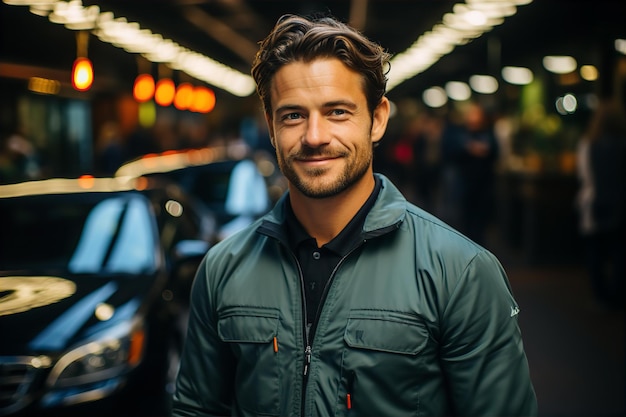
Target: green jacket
x=416 y=321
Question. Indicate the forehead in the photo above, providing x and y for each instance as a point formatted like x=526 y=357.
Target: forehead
x=320 y=78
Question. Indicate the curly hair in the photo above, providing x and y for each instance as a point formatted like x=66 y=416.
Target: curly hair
x=296 y=38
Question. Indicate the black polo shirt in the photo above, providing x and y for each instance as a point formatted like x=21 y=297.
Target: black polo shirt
x=318 y=263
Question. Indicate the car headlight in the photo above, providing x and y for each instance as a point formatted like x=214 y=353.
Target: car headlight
x=114 y=352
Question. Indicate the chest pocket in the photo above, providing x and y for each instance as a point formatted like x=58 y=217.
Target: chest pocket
x=384 y=352
x=250 y=331
x=386 y=331
x=248 y=324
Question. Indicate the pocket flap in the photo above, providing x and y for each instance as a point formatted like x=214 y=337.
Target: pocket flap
x=248 y=325
x=386 y=331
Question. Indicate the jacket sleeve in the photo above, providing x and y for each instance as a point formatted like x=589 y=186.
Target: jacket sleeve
x=204 y=383
x=482 y=354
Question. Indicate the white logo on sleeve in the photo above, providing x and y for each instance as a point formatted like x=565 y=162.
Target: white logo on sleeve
x=514 y=311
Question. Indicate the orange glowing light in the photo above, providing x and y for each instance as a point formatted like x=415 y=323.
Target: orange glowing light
x=86 y=181
x=165 y=90
x=135 y=351
x=82 y=74
x=203 y=100
x=184 y=96
x=141 y=183
x=144 y=88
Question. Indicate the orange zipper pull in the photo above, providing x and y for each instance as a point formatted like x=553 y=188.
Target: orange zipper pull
x=275 y=344
x=351 y=377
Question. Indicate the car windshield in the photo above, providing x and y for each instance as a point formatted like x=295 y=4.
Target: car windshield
x=228 y=188
x=83 y=234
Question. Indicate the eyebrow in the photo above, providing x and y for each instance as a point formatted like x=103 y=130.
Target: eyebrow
x=287 y=107
x=345 y=103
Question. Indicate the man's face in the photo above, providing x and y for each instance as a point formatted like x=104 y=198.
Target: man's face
x=321 y=126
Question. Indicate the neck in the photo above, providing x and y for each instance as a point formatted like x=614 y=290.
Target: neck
x=325 y=218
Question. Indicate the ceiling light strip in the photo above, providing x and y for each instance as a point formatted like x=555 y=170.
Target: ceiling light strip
x=131 y=37
x=466 y=22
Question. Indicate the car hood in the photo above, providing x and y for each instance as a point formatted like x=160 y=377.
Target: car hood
x=48 y=314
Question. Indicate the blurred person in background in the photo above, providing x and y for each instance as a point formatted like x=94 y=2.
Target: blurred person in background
x=427 y=151
x=19 y=159
x=345 y=299
x=601 y=201
x=111 y=150
x=469 y=156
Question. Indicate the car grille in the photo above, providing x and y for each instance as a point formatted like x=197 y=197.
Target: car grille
x=17 y=374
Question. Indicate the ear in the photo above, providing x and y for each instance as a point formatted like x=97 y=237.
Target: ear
x=270 y=128
x=380 y=119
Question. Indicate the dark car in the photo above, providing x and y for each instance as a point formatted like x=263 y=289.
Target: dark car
x=236 y=190
x=94 y=280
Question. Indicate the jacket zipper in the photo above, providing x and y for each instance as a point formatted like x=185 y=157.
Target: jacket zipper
x=326 y=288
x=309 y=334
x=305 y=334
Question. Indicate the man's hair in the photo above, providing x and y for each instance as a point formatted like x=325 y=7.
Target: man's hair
x=300 y=39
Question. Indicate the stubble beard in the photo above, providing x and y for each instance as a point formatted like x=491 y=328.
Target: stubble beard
x=312 y=184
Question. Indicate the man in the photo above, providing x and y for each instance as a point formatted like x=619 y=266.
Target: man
x=345 y=299
x=470 y=153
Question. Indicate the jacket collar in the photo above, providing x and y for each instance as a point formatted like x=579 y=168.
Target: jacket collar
x=387 y=213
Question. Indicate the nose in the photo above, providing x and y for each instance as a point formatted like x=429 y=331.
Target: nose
x=317 y=132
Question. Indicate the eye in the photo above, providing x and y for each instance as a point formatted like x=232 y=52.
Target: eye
x=291 y=116
x=339 y=114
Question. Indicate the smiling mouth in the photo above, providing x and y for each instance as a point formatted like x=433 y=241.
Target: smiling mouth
x=318 y=159
x=317 y=162
x=316 y=156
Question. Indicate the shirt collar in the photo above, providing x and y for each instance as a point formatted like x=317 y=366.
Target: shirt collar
x=347 y=238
